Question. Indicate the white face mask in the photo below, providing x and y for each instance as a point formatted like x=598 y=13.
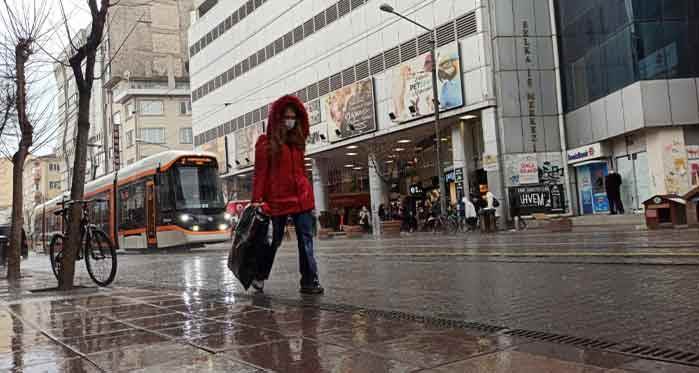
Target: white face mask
x=290 y=123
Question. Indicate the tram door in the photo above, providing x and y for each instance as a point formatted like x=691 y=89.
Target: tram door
x=150 y=216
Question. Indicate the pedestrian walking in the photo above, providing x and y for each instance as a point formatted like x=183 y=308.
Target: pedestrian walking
x=613 y=184
x=470 y=213
x=281 y=188
x=365 y=219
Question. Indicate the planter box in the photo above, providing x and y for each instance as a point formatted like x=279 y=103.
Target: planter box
x=390 y=228
x=353 y=231
x=559 y=225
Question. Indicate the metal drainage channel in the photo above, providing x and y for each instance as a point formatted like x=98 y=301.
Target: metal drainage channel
x=634 y=350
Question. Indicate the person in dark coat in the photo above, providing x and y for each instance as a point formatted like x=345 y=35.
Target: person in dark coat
x=282 y=190
x=613 y=184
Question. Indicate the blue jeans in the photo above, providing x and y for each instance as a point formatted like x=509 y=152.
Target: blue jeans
x=303 y=222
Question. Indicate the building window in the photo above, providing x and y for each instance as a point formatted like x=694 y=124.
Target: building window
x=185 y=135
x=130 y=161
x=129 y=138
x=152 y=135
x=54 y=185
x=130 y=110
x=116 y=119
x=186 y=107
x=149 y=107
x=54 y=167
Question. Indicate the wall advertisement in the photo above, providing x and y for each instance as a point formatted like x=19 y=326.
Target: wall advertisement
x=675 y=164
x=537 y=199
x=350 y=111
x=693 y=161
x=539 y=168
x=245 y=140
x=411 y=85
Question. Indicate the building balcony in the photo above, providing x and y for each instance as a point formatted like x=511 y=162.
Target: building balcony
x=126 y=89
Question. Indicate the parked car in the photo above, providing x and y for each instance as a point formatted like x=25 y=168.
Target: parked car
x=5 y=243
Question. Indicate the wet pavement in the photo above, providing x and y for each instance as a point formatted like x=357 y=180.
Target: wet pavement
x=398 y=305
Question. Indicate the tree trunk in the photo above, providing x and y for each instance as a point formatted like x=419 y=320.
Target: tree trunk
x=74 y=239
x=22 y=52
x=15 y=250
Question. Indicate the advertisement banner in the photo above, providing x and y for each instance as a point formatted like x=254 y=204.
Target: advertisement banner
x=490 y=162
x=245 y=140
x=693 y=159
x=350 y=110
x=317 y=137
x=314 y=112
x=537 y=199
x=411 y=85
x=523 y=169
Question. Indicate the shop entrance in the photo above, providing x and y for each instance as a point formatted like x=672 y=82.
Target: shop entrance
x=593 y=194
x=634 y=177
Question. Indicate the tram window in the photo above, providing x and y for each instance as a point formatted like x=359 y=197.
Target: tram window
x=132 y=206
x=100 y=212
x=165 y=192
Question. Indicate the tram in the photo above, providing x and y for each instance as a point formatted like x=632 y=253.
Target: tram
x=170 y=199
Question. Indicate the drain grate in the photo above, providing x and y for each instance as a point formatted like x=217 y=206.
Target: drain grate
x=639 y=351
x=561 y=339
x=658 y=353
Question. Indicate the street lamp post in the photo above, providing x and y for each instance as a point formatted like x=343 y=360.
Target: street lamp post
x=435 y=92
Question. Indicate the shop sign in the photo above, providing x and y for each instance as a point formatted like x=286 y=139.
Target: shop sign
x=411 y=85
x=317 y=137
x=585 y=153
x=350 y=110
x=416 y=190
x=490 y=162
x=538 y=199
x=450 y=177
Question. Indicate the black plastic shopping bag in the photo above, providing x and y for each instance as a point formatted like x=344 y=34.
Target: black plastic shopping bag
x=250 y=236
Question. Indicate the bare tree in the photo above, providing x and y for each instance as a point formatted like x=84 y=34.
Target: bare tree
x=82 y=62
x=24 y=27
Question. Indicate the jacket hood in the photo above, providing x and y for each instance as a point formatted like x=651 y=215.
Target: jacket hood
x=276 y=113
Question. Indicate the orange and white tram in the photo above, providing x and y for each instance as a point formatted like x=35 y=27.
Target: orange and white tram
x=170 y=199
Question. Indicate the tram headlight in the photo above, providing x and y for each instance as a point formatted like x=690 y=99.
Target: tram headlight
x=185 y=218
x=195 y=228
x=227 y=216
x=222 y=227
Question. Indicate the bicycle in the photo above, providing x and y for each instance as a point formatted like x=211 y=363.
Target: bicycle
x=97 y=248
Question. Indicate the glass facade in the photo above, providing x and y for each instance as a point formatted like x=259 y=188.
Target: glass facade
x=606 y=45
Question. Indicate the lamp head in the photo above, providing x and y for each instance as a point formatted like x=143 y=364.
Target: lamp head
x=386 y=8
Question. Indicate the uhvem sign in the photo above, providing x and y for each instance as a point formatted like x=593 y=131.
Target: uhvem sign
x=535 y=199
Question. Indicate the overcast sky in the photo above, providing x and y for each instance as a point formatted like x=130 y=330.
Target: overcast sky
x=78 y=16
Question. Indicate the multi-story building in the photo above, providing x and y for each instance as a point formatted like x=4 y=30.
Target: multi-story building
x=67 y=100
x=140 y=100
x=519 y=87
x=42 y=182
x=148 y=105
x=630 y=73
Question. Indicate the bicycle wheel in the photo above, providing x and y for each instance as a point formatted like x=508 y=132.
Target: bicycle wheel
x=100 y=258
x=56 y=253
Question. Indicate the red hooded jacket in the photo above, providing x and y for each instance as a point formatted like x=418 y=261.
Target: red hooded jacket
x=281 y=183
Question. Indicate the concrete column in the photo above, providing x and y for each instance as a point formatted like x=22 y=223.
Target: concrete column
x=377 y=193
x=460 y=153
x=320 y=185
x=492 y=146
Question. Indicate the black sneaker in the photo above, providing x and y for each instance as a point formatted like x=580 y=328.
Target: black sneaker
x=314 y=289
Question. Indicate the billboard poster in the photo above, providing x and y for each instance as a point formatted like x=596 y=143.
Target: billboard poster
x=317 y=137
x=411 y=84
x=537 y=199
x=693 y=161
x=314 y=112
x=523 y=169
x=350 y=111
x=245 y=140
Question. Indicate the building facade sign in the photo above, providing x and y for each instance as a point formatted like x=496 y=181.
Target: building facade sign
x=586 y=153
x=245 y=140
x=537 y=199
x=350 y=111
x=411 y=85
x=314 y=112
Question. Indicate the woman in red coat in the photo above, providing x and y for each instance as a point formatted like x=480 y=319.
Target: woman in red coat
x=282 y=189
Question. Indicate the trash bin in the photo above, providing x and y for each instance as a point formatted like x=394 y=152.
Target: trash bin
x=488 y=221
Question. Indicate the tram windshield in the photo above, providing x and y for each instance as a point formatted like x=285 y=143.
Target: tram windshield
x=197 y=188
